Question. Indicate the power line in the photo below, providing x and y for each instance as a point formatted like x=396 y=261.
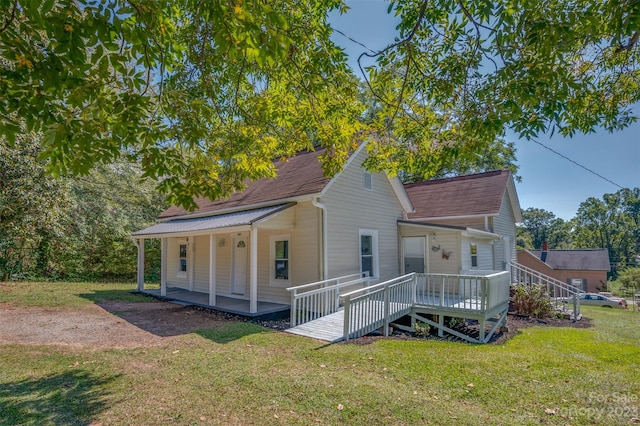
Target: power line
x=576 y=163
x=355 y=41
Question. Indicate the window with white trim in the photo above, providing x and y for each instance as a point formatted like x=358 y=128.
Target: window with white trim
x=182 y=261
x=280 y=259
x=474 y=255
x=369 y=252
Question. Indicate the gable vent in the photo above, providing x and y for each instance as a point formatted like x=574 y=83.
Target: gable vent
x=367 y=180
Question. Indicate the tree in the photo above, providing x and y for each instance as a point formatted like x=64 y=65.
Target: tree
x=32 y=205
x=204 y=95
x=539 y=225
x=611 y=223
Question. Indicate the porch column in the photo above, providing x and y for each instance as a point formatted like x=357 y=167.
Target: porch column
x=191 y=261
x=163 y=267
x=253 y=284
x=140 y=244
x=212 y=270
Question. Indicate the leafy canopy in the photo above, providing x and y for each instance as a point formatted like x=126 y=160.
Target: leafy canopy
x=206 y=94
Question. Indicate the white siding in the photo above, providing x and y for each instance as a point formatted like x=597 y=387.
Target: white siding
x=173 y=260
x=351 y=207
x=447 y=240
x=485 y=255
x=201 y=254
x=505 y=224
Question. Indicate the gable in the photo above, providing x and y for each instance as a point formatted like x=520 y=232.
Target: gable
x=480 y=194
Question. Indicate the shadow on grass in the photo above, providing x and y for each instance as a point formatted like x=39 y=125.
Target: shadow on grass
x=165 y=319
x=70 y=398
x=117 y=295
x=227 y=333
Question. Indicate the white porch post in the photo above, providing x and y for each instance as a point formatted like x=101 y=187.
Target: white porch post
x=212 y=270
x=191 y=261
x=253 y=286
x=163 y=267
x=140 y=244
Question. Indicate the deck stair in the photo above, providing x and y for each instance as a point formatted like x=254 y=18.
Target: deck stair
x=563 y=295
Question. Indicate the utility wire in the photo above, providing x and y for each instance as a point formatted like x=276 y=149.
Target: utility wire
x=354 y=41
x=533 y=140
x=576 y=163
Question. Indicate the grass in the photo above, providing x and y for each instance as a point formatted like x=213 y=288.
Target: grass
x=241 y=373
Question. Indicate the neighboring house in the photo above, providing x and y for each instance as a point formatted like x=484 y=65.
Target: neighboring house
x=240 y=254
x=471 y=217
x=585 y=269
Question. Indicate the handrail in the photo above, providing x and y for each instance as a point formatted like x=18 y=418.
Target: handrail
x=337 y=279
x=323 y=300
x=375 y=287
x=562 y=292
x=377 y=306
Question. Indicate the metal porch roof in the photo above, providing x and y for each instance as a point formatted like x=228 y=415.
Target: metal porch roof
x=184 y=226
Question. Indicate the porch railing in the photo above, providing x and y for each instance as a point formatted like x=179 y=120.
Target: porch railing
x=477 y=293
x=315 y=300
x=563 y=295
x=376 y=306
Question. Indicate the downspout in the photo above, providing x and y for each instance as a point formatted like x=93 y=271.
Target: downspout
x=324 y=269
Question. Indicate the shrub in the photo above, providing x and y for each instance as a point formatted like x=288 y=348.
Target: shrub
x=422 y=329
x=532 y=300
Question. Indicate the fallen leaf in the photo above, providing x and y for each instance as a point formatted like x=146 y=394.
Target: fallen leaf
x=415 y=392
x=551 y=410
x=340 y=407
x=176 y=351
x=470 y=385
x=75 y=364
x=276 y=416
x=322 y=366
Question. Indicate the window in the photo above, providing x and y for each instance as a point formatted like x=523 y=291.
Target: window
x=474 y=255
x=367 y=179
x=280 y=252
x=182 y=264
x=369 y=252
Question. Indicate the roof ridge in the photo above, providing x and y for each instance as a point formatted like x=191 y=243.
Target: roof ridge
x=472 y=176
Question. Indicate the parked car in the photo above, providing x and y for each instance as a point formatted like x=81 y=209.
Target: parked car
x=594 y=299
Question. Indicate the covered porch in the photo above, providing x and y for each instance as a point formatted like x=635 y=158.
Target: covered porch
x=225 y=262
x=222 y=303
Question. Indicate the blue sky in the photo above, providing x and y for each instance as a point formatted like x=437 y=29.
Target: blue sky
x=549 y=181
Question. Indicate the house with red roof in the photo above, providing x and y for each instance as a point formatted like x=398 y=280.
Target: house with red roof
x=242 y=253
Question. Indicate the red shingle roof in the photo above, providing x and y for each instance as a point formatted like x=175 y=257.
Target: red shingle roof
x=298 y=176
x=471 y=195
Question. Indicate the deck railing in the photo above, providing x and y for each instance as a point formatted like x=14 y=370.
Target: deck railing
x=563 y=295
x=373 y=307
x=476 y=293
x=315 y=300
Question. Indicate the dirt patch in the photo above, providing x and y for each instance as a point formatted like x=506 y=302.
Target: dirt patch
x=107 y=325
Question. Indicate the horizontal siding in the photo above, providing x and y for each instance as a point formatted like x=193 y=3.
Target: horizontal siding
x=300 y=222
x=485 y=255
x=446 y=240
x=350 y=208
x=173 y=260
x=505 y=225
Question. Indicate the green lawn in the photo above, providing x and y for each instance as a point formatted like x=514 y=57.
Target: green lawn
x=244 y=374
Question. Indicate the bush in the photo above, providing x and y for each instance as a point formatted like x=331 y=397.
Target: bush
x=422 y=329
x=532 y=300
x=629 y=279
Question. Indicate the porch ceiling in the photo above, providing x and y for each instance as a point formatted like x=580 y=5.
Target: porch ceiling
x=229 y=220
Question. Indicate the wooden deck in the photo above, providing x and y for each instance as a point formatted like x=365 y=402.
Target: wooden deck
x=329 y=328
x=481 y=298
x=223 y=304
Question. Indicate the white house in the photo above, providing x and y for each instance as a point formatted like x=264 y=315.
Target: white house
x=240 y=254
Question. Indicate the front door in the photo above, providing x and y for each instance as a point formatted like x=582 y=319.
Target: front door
x=239 y=279
x=413 y=254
